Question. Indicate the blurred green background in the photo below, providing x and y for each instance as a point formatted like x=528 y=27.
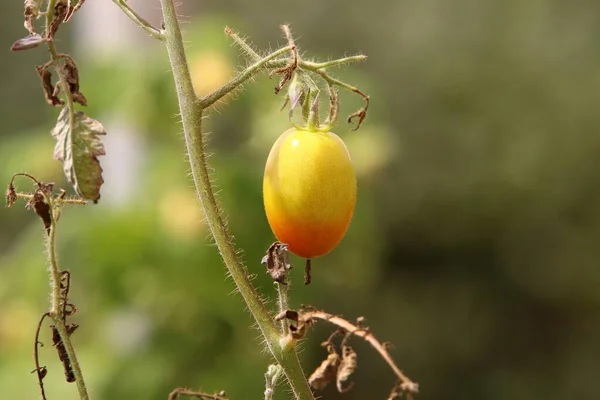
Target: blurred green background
x=475 y=244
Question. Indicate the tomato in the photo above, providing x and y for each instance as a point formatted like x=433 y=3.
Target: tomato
x=309 y=191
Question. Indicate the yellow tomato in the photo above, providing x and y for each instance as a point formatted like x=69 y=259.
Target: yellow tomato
x=309 y=191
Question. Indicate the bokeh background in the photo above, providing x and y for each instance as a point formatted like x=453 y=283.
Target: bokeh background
x=475 y=244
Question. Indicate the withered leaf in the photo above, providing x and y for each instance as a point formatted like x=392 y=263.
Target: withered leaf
x=50 y=92
x=325 y=372
x=41 y=208
x=28 y=42
x=63 y=355
x=78 y=147
x=74 y=9
x=346 y=368
x=60 y=12
x=72 y=77
x=360 y=114
x=32 y=10
x=278 y=262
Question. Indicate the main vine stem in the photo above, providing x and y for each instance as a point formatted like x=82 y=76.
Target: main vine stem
x=191 y=116
x=55 y=311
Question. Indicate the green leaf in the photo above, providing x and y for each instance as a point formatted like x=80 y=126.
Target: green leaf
x=78 y=147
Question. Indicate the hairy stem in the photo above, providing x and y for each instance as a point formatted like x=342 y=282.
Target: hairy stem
x=233 y=84
x=141 y=22
x=175 y=394
x=191 y=116
x=56 y=313
x=282 y=300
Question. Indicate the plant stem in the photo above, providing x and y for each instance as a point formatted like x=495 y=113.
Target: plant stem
x=55 y=311
x=141 y=22
x=56 y=62
x=213 y=97
x=191 y=116
x=282 y=299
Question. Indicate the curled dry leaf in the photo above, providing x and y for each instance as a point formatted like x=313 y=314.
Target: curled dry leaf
x=325 y=372
x=32 y=10
x=60 y=12
x=73 y=9
x=278 y=262
x=286 y=72
x=41 y=208
x=63 y=355
x=360 y=114
x=72 y=77
x=346 y=369
x=50 y=92
x=78 y=147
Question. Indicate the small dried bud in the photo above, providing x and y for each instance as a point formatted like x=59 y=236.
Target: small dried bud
x=278 y=262
x=28 y=42
x=11 y=195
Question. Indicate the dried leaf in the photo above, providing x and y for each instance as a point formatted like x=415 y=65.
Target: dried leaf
x=307 y=269
x=360 y=114
x=78 y=147
x=28 y=42
x=325 y=372
x=50 y=92
x=278 y=262
x=41 y=208
x=73 y=10
x=396 y=393
x=72 y=77
x=60 y=12
x=63 y=355
x=346 y=368
x=32 y=10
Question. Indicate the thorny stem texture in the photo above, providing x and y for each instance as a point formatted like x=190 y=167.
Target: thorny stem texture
x=56 y=313
x=191 y=116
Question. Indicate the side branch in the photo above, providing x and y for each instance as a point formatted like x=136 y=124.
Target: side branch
x=190 y=393
x=407 y=384
x=141 y=22
x=218 y=94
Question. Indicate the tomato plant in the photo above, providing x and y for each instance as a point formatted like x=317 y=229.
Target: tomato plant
x=309 y=191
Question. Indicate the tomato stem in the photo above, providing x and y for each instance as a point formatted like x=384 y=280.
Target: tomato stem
x=191 y=117
x=235 y=83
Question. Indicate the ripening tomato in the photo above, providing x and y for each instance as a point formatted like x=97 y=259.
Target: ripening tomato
x=309 y=191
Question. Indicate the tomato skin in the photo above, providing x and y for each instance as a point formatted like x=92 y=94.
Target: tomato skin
x=309 y=191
